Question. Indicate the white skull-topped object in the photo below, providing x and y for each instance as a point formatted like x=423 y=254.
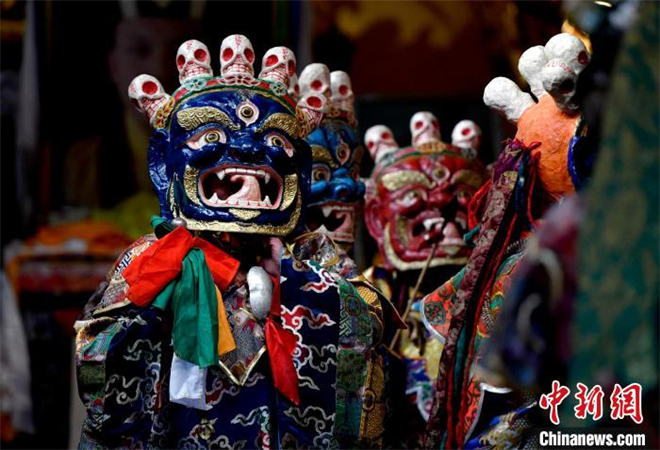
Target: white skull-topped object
x=278 y=65
x=315 y=79
x=312 y=107
x=505 y=97
x=424 y=128
x=566 y=58
x=551 y=122
x=236 y=56
x=236 y=61
x=380 y=142
x=467 y=136
x=255 y=175
x=193 y=60
x=342 y=96
x=551 y=69
x=147 y=94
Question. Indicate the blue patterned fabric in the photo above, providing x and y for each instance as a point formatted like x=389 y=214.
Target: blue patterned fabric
x=125 y=384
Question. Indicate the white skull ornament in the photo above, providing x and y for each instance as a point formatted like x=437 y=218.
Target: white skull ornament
x=466 y=134
x=278 y=65
x=424 y=128
x=380 y=142
x=309 y=111
x=342 y=97
x=315 y=79
x=552 y=69
x=566 y=57
x=147 y=94
x=236 y=56
x=193 y=60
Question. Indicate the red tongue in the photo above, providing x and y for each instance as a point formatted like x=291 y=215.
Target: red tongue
x=249 y=191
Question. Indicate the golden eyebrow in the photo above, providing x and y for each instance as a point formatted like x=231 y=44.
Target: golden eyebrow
x=191 y=118
x=322 y=155
x=281 y=121
x=394 y=181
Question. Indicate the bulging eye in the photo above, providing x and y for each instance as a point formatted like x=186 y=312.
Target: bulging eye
x=320 y=172
x=279 y=141
x=441 y=173
x=343 y=153
x=206 y=137
x=410 y=198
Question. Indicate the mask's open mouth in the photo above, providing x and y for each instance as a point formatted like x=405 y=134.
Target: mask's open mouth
x=334 y=219
x=241 y=187
x=428 y=229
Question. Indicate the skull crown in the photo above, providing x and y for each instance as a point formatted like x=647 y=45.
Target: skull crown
x=466 y=135
x=278 y=65
x=342 y=98
x=315 y=78
x=424 y=128
x=380 y=142
x=335 y=86
x=193 y=61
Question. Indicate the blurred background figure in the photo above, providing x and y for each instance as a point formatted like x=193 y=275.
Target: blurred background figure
x=111 y=166
x=591 y=282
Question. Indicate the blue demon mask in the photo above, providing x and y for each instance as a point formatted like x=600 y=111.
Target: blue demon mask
x=228 y=153
x=337 y=192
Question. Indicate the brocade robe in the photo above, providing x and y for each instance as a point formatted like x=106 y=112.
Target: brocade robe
x=124 y=356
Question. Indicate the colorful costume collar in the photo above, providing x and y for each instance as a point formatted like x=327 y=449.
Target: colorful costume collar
x=179 y=272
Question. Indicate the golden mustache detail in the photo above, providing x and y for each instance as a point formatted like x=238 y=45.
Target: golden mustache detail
x=290 y=191
x=245 y=214
x=190 y=177
x=245 y=227
x=394 y=181
x=191 y=118
x=401 y=224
